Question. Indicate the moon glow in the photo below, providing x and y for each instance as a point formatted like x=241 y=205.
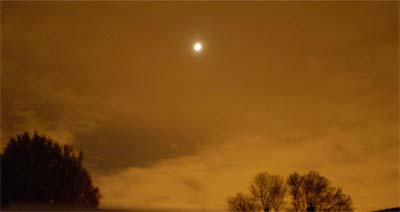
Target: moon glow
x=197 y=47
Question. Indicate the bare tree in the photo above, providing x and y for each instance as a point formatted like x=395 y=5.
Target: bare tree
x=269 y=190
x=312 y=192
x=241 y=202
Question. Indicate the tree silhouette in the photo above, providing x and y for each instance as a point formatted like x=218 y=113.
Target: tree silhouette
x=267 y=193
x=35 y=169
x=269 y=190
x=312 y=192
x=241 y=202
x=309 y=192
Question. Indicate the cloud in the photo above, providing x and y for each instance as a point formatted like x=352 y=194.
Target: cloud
x=229 y=168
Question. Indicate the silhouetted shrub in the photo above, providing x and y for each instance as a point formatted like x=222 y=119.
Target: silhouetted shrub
x=241 y=202
x=37 y=170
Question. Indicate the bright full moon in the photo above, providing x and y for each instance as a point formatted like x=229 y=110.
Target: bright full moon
x=197 y=47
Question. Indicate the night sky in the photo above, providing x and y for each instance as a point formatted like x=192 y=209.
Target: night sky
x=277 y=87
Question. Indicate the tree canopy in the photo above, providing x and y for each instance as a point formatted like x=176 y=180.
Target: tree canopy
x=307 y=192
x=35 y=169
x=313 y=192
x=242 y=202
x=269 y=190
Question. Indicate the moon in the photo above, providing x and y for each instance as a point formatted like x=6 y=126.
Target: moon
x=197 y=47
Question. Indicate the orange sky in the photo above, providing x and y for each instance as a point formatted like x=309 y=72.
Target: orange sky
x=279 y=87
